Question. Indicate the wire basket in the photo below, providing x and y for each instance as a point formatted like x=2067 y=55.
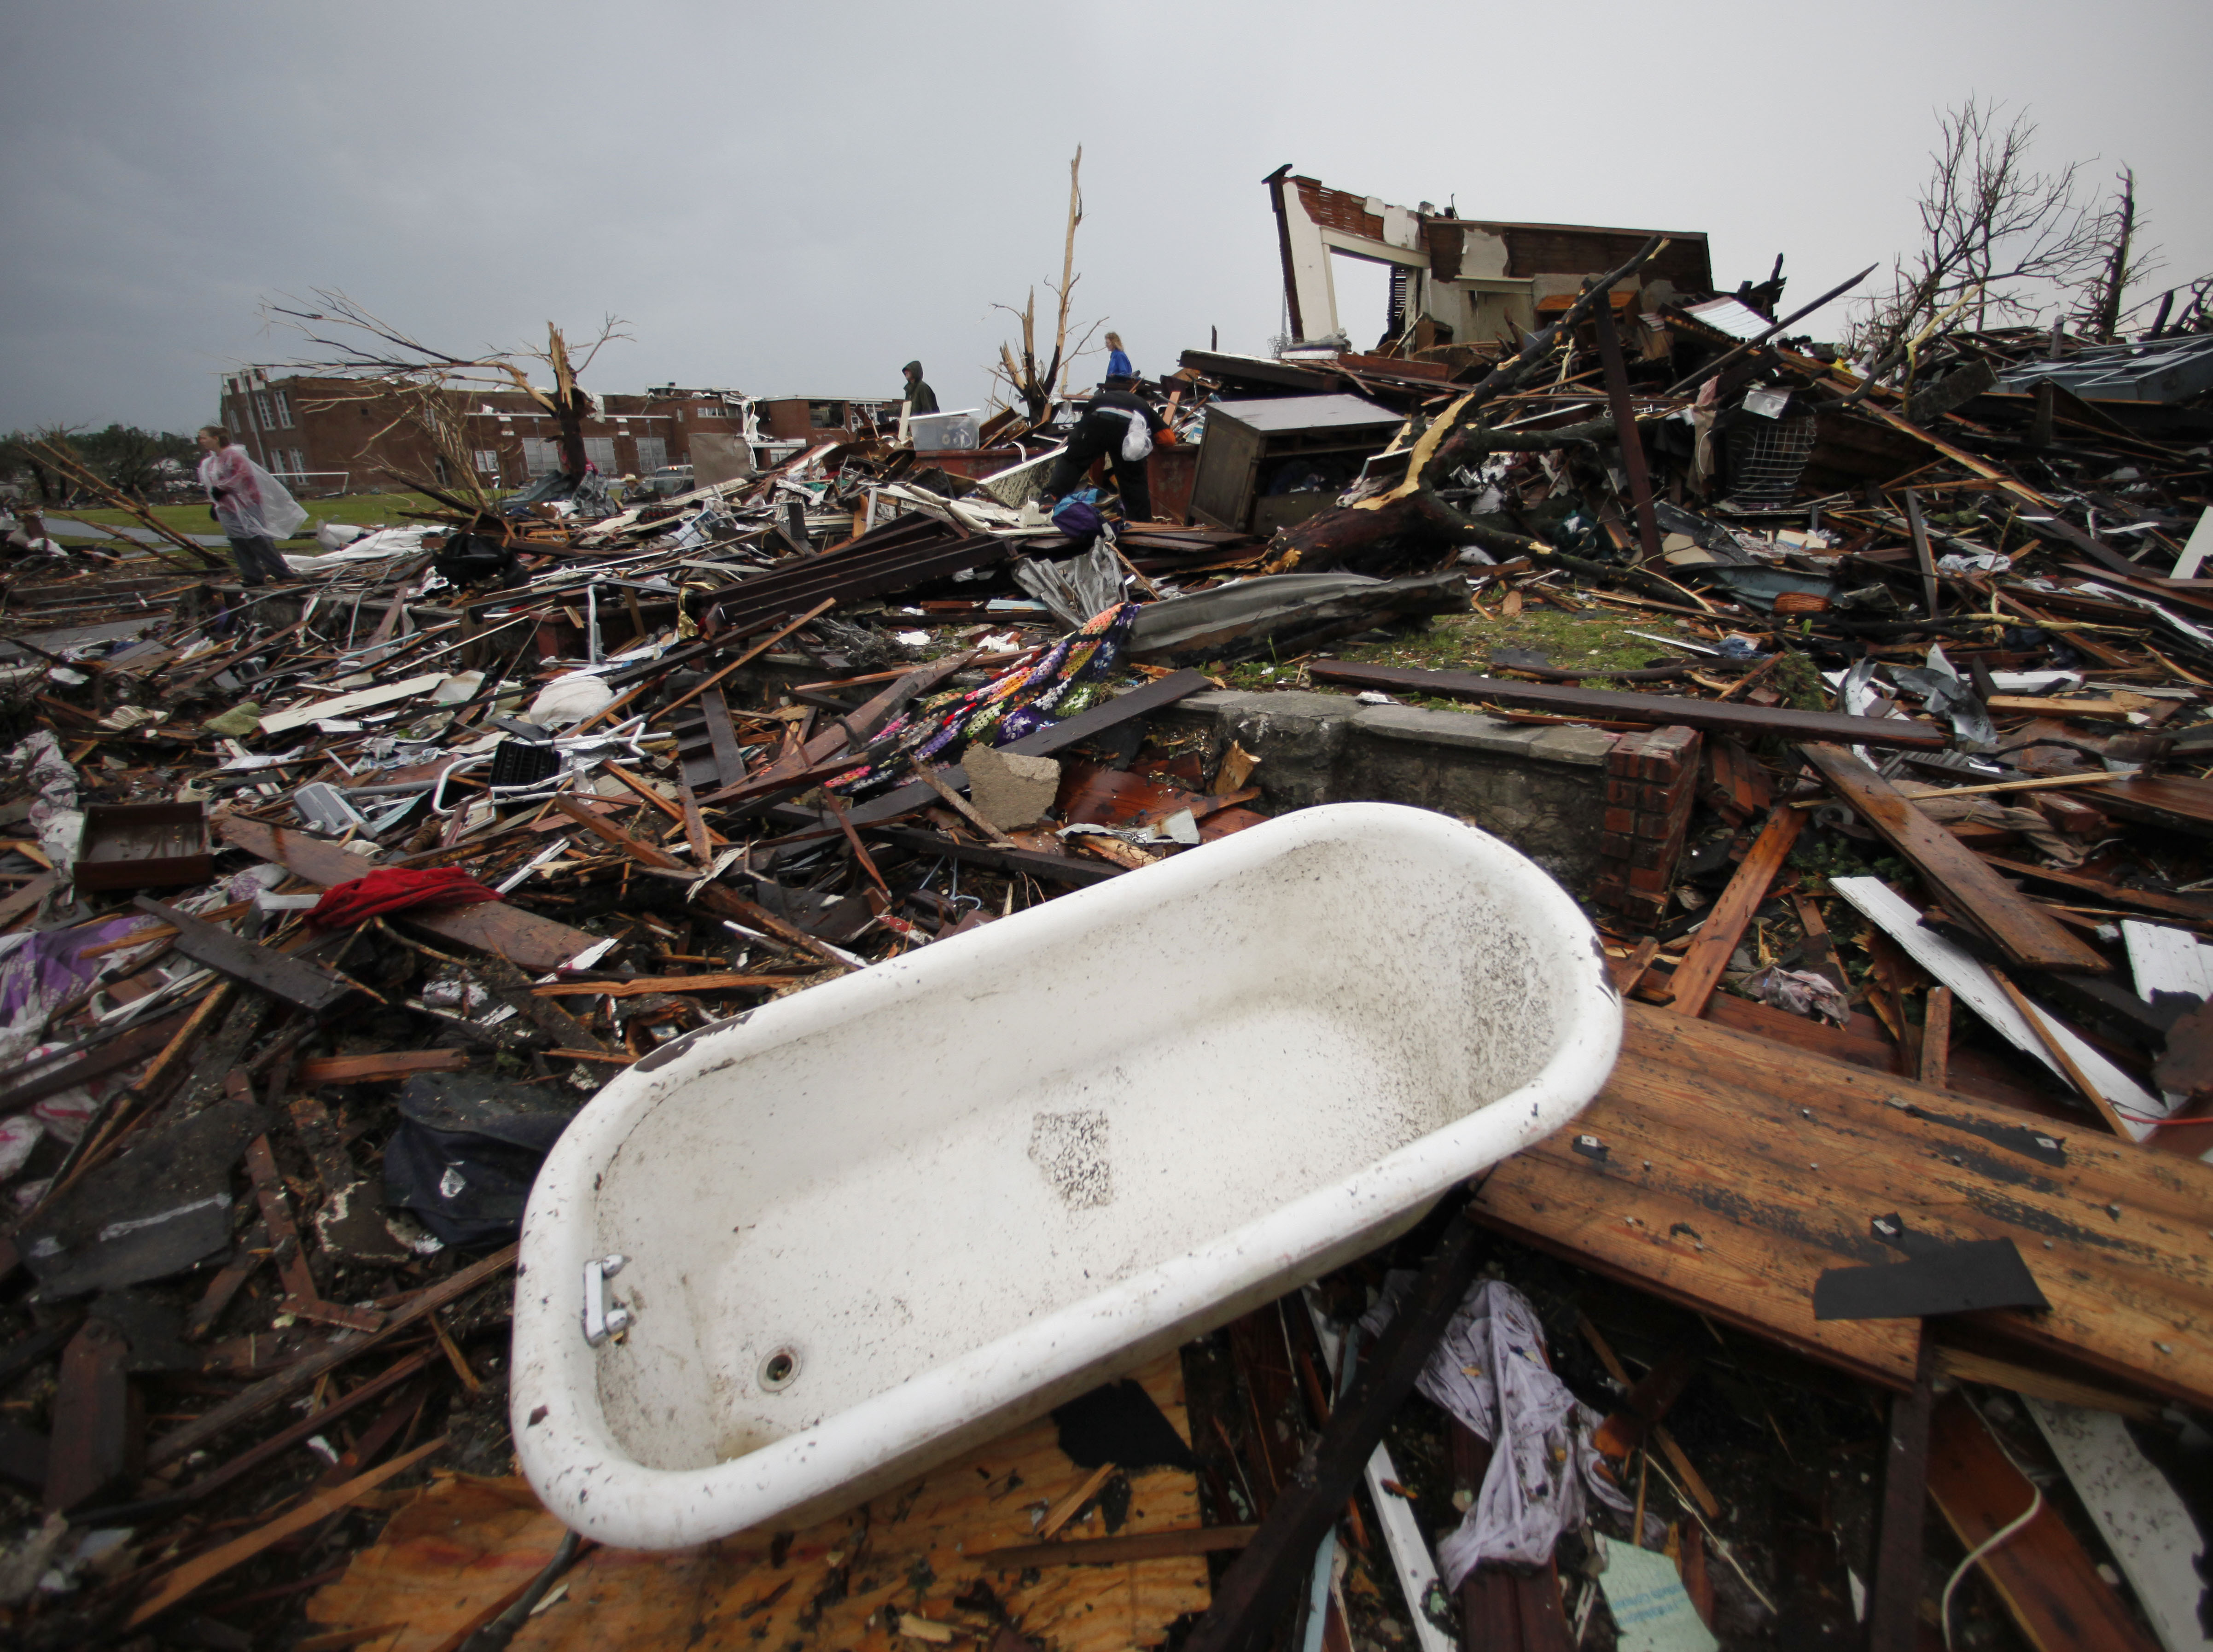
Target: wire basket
x=1766 y=456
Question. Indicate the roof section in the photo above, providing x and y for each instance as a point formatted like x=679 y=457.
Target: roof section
x=1305 y=413
x=1532 y=249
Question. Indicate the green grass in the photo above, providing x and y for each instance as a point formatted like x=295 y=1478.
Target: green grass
x=362 y=509
x=1581 y=642
x=1577 y=642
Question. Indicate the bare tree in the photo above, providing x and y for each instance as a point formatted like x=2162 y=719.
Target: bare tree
x=1034 y=388
x=389 y=362
x=1999 y=237
x=2197 y=312
x=2122 y=260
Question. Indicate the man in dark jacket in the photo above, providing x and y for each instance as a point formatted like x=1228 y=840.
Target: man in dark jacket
x=919 y=398
x=1116 y=424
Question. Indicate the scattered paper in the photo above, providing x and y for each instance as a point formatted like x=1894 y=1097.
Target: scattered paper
x=1651 y=1609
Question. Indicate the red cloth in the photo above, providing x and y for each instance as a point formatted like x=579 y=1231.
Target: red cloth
x=396 y=890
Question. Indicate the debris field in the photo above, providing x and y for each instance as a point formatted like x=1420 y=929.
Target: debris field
x=329 y=904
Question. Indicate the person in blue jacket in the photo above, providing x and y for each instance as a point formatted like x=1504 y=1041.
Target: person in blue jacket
x=1117 y=364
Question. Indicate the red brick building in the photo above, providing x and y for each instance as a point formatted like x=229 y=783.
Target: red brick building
x=332 y=435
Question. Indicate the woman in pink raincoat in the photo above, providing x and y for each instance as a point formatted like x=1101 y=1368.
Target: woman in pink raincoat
x=252 y=505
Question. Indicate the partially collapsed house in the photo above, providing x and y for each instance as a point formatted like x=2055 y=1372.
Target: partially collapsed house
x=1457 y=280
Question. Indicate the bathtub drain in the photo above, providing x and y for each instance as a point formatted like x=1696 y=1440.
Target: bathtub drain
x=778 y=1369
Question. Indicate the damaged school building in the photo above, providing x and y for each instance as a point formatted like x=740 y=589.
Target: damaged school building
x=1561 y=1000
x=326 y=436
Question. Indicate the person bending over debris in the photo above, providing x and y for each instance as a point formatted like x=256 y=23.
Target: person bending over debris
x=252 y=505
x=919 y=397
x=1120 y=427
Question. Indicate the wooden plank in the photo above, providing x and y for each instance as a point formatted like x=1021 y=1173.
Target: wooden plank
x=2193 y=909
x=644 y=983
x=1863 y=1043
x=451 y=1557
x=2034 y=1383
x=2114 y=707
x=1894 y=1598
x=492 y=926
x=697 y=838
x=1937 y=1036
x=1504 y=1608
x=1402 y=1533
x=2020 y=928
x=1735 y=1170
x=2048 y=1037
x=1113 y=1551
x=1261 y=1579
x=644 y=853
x=253 y=1251
x=2182 y=802
x=95 y=1434
x=210 y=1424
x=365 y=699
x=1713 y=717
x=1976 y=986
x=279 y=974
x=2137 y=1510
x=276 y=1216
x=2049 y=1586
x=1693 y=1482
x=1048 y=868
x=1920 y=532
x=118 y=1052
x=2163 y=959
x=1958 y=456
x=1161 y=692
x=646 y=793
x=395 y=1063
x=25 y=899
x=1277 y=1427
x=1626 y=972
x=315 y=1422
x=729 y=763
x=1709 y=954
x=204 y=1568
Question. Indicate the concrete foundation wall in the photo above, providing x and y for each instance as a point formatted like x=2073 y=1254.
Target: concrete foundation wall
x=1542 y=787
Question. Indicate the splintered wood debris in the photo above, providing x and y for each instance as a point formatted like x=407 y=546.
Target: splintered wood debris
x=1904 y=865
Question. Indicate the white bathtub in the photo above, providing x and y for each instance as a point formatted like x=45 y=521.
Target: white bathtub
x=871 y=1225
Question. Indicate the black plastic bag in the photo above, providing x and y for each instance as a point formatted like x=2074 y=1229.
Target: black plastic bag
x=467 y=1150
x=472 y=559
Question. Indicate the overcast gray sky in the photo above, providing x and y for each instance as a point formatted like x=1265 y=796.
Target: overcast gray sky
x=799 y=198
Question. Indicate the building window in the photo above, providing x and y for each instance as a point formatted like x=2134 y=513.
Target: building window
x=261 y=410
x=283 y=412
x=712 y=411
x=299 y=462
x=539 y=456
x=652 y=454
x=600 y=450
x=234 y=419
x=488 y=460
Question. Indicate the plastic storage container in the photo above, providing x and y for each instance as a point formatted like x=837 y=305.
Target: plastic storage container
x=938 y=432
